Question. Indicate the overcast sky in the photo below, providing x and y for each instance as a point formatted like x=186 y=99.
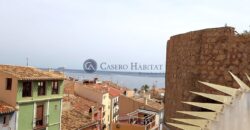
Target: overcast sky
x=54 y=33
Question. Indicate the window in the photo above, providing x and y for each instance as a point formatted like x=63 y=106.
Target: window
x=41 y=88
x=26 y=89
x=6 y=120
x=40 y=115
x=55 y=87
x=8 y=83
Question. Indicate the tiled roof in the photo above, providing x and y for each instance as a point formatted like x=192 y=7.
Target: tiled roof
x=73 y=120
x=30 y=73
x=98 y=87
x=80 y=103
x=113 y=92
x=69 y=87
x=5 y=108
x=151 y=103
x=76 y=114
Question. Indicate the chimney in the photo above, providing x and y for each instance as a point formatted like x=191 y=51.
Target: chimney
x=95 y=80
x=145 y=100
x=91 y=112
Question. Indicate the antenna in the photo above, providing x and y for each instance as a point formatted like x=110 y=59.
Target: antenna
x=27 y=61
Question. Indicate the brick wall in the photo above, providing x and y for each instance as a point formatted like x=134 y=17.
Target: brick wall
x=205 y=55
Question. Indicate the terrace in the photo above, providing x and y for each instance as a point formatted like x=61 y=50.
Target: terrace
x=140 y=118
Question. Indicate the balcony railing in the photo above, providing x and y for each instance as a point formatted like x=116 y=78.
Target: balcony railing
x=151 y=126
x=115 y=104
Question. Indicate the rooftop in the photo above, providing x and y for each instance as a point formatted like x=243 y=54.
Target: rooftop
x=76 y=110
x=140 y=117
x=30 y=73
x=105 y=87
x=151 y=103
x=73 y=120
x=113 y=92
x=80 y=103
x=5 y=108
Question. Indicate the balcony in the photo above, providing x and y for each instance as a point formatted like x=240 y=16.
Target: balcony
x=146 y=119
x=115 y=104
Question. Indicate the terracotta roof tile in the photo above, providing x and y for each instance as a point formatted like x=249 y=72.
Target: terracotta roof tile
x=5 y=108
x=30 y=73
x=73 y=120
x=150 y=103
x=113 y=91
x=76 y=115
x=80 y=103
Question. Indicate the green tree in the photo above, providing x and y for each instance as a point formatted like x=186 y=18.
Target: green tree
x=135 y=90
x=145 y=88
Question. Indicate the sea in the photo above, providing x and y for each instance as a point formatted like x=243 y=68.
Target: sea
x=124 y=79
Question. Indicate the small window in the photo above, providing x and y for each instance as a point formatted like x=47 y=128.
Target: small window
x=8 y=83
x=26 y=89
x=55 y=87
x=41 y=88
x=6 y=120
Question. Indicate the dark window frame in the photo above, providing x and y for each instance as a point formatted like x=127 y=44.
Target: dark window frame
x=41 y=88
x=6 y=120
x=8 y=83
x=55 y=87
x=27 y=89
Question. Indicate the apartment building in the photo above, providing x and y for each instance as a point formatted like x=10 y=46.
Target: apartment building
x=35 y=94
x=114 y=95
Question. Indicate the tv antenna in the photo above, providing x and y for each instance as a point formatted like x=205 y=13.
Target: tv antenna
x=27 y=61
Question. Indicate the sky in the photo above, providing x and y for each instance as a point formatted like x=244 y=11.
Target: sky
x=64 y=33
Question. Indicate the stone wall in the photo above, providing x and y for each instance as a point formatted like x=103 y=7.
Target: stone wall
x=204 y=55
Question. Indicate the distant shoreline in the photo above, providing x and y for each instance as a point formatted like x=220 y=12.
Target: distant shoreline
x=151 y=74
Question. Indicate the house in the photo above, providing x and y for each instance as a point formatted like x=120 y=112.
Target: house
x=157 y=93
x=80 y=113
x=35 y=94
x=138 y=120
x=114 y=96
x=7 y=117
x=130 y=104
x=100 y=96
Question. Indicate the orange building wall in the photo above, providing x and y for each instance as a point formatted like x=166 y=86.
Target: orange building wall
x=8 y=96
x=127 y=105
